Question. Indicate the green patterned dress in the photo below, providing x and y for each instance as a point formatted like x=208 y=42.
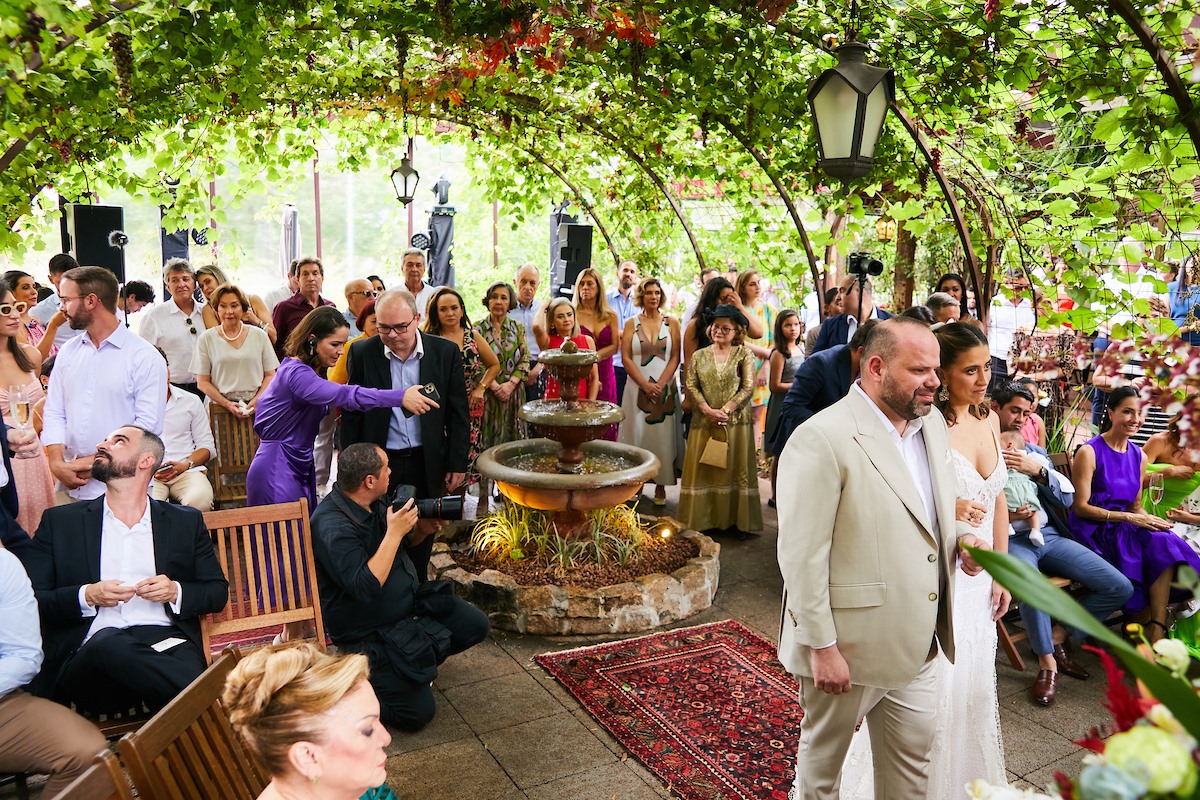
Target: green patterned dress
x=710 y=497
x=500 y=421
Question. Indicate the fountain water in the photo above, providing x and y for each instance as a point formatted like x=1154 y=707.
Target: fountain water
x=568 y=472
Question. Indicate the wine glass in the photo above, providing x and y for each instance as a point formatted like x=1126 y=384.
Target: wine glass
x=1156 y=488
x=18 y=406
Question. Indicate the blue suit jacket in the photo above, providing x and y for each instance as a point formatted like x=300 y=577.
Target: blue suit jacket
x=12 y=536
x=836 y=330
x=822 y=380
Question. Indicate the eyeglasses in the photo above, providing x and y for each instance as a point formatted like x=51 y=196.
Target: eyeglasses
x=191 y=327
x=722 y=329
x=388 y=330
x=8 y=309
x=367 y=294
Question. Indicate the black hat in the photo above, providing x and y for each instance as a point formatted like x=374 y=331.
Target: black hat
x=728 y=311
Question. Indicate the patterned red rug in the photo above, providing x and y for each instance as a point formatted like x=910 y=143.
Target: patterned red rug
x=707 y=709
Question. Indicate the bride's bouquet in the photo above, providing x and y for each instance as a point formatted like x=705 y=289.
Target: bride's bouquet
x=1153 y=750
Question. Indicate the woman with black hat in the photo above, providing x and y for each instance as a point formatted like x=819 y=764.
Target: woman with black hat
x=720 y=379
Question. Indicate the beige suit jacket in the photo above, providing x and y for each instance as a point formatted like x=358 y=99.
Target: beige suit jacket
x=860 y=561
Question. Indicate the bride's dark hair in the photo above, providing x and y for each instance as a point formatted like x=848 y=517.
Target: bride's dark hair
x=955 y=339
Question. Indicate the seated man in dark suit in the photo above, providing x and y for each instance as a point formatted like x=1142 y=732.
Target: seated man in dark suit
x=371 y=597
x=823 y=379
x=839 y=329
x=425 y=440
x=1059 y=555
x=121 y=582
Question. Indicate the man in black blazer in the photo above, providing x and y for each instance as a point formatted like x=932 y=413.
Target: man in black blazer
x=836 y=330
x=425 y=440
x=121 y=582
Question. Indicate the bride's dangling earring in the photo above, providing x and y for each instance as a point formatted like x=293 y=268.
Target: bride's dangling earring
x=943 y=394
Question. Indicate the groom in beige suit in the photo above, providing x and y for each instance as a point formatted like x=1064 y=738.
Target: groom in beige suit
x=867 y=549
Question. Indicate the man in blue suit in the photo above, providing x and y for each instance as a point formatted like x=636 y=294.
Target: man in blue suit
x=20 y=443
x=840 y=329
x=822 y=380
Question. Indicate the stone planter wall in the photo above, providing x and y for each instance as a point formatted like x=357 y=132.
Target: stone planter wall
x=639 y=605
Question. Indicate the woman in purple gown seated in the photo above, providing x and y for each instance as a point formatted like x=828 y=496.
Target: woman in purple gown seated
x=1108 y=517
x=292 y=407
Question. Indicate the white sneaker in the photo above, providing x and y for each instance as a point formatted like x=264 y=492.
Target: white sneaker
x=1190 y=609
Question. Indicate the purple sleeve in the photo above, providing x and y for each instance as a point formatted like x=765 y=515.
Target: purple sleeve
x=307 y=385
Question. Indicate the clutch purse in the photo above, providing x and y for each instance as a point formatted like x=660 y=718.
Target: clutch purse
x=716 y=449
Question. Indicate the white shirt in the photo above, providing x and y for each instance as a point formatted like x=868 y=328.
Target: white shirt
x=852 y=323
x=1004 y=320
x=95 y=390
x=167 y=326
x=185 y=427
x=277 y=296
x=405 y=432
x=46 y=309
x=422 y=298
x=127 y=555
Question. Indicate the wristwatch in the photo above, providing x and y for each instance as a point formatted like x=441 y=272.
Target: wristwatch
x=1044 y=474
x=189 y=463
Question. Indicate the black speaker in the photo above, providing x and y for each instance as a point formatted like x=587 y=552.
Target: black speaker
x=86 y=236
x=574 y=256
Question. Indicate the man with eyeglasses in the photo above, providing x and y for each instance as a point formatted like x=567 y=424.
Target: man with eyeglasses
x=174 y=327
x=102 y=380
x=358 y=292
x=426 y=439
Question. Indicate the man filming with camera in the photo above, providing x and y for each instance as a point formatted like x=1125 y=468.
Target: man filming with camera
x=371 y=597
x=859 y=303
x=426 y=440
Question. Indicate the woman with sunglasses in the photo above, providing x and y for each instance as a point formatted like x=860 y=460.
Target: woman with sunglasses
x=19 y=365
x=256 y=313
x=24 y=290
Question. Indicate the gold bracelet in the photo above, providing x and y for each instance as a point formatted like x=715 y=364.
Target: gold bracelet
x=1107 y=515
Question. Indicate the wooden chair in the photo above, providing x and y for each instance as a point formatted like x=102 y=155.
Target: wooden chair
x=190 y=751
x=236 y=444
x=104 y=780
x=1062 y=463
x=266 y=553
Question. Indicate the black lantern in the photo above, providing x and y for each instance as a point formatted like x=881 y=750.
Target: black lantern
x=849 y=103
x=404 y=181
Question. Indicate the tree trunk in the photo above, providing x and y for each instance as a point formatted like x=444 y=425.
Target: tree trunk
x=902 y=285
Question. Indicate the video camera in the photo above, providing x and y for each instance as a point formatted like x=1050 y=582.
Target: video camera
x=449 y=507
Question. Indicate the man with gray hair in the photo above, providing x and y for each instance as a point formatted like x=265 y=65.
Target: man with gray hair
x=174 y=327
x=525 y=311
x=426 y=439
x=944 y=307
x=412 y=263
x=121 y=583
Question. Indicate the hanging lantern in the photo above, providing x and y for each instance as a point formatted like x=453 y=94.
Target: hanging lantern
x=885 y=230
x=849 y=103
x=404 y=181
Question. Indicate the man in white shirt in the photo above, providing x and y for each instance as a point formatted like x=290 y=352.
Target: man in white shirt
x=526 y=311
x=121 y=583
x=45 y=310
x=174 y=326
x=412 y=263
x=106 y=378
x=1007 y=316
x=620 y=298
x=285 y=289
x=189 y=444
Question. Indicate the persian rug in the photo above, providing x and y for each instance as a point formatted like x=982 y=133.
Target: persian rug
x=708 y=709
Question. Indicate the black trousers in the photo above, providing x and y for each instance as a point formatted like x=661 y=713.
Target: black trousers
x=999 y=374
x=118 y=669
x=404 y=703
x=622 y=377
x=408 y=468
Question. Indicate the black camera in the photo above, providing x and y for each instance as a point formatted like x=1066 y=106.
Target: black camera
x=863 y=264
x=449 y=507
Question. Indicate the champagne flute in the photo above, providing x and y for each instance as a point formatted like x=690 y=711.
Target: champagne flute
x=1156 y=489
x=21 y=412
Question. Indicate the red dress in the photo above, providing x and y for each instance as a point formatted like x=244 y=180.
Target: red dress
x=551 y=381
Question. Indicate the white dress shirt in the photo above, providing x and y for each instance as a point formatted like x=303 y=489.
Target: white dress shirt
x=20 y=631
x=95 y=390
x=1004 y=320
x=186 y=428
x=167 y=326
x=852 y=324
x=422 y=298
x=127 y=555
x=404 y=432
x=277 y=296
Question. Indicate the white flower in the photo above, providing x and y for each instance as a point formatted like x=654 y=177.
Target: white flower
x=1173 y=654
x=1162 y=718
x=980 y=789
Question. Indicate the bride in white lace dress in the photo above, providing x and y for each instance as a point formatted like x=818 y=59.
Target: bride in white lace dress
x=966 y=742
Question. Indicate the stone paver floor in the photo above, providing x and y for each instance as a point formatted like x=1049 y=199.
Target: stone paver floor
x=506 y=730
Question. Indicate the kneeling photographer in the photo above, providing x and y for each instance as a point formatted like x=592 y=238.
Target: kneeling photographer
x=371 y=597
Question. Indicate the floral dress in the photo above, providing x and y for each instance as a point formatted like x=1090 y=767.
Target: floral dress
x=501 y=422
x=766 y=315
x=37 y=332
x=473 y=370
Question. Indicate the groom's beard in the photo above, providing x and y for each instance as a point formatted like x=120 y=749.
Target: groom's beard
x=906 y=406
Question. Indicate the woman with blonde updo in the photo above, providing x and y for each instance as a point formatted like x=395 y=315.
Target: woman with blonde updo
x=313 y=721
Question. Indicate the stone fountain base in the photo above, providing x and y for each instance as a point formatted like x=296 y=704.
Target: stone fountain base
x=638 y=605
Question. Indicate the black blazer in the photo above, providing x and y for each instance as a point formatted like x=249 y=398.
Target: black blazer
x=65 y=555
x=822 y=380
x=836 y=330
x=12 y=535
x=445 y=431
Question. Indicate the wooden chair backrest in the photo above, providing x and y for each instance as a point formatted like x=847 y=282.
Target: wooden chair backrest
x=104 y=780
x=190 y=751
x=266 y=553
x=236 y=445
x=1062 y=463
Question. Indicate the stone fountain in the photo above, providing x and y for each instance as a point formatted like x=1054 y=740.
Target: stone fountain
x=568 y=472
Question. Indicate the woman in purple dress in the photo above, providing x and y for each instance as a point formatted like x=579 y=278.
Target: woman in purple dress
x=293 y=405
x=1108 y=517
x=598 y=320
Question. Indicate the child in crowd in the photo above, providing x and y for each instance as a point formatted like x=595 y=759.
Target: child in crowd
x=1020 y=490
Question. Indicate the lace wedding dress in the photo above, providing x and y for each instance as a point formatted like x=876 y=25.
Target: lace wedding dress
x=966 y=739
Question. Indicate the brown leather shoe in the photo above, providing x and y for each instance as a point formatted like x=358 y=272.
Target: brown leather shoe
x=1045 y=688
x=1066 y=665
